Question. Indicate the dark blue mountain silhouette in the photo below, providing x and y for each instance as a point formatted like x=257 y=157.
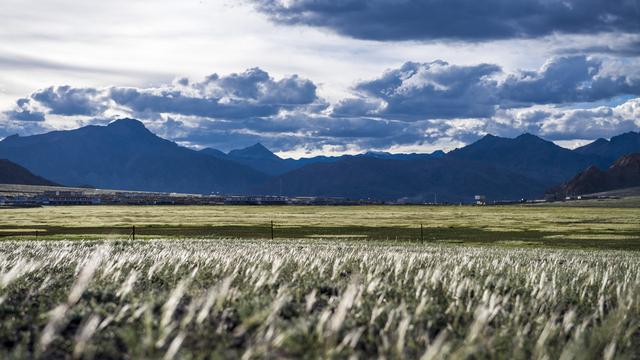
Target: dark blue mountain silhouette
x=11 y=173
x=447 y=179
x=262 y=159
x=125 y=155
x=610 y=150
x=528 y=155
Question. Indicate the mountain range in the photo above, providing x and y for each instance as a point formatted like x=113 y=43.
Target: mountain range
x=125 y=155
x=262 y=159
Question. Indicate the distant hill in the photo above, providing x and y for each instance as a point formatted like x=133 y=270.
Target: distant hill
x=624 y=173
x=528 y=155
x=125 y=155
x=262 y=159
x=11 y=173
x=610 y=150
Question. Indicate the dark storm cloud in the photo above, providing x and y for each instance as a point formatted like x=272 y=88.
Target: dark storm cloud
x=252 y=93
x=65 y=100
x=175 y=103
x=433 y=90
x=567 y=79
x=23 y=112
x=438 y=90
x=626 y=49
x=25 y=115
x=468 y=20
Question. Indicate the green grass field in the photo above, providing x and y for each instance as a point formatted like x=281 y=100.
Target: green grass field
x=595 y=227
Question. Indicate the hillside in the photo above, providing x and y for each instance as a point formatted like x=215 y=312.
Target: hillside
x=11 y=173
x=624 y=173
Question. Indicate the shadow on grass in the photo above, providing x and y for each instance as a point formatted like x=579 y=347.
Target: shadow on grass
x=627 y=240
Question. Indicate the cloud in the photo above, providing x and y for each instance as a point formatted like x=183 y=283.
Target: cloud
x=252 y=93
x=567 y=79
x=65 y=100
x=25 y=115
x=560 y=124
x=467 y=20
x=433 y=90
x=629 y=49
x=24 y=112
x=439 y=90
x=602 y=121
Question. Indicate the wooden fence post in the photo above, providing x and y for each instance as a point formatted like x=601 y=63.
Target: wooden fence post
x=271 y=229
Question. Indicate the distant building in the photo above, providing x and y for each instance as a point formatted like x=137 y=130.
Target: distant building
x=480 y=200
x=69 y=198
x=255 y=200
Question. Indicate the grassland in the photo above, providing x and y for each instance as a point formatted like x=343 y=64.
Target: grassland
x=196 y=299
x=599 y=227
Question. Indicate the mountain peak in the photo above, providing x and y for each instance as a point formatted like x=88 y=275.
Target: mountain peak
x=610 y=150
x=529 y=137
x=130 y=127
x=256 y=151
x=213 y=152
x=628 y=136
x=258 y=146
x=526 y=135
x=128 y=123
x=11 y=137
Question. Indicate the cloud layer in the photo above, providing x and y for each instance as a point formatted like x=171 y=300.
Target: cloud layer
x=417 y=106
x=467 y=20
x=439 y=90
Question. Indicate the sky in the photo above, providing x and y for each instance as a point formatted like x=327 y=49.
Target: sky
x=311 y=77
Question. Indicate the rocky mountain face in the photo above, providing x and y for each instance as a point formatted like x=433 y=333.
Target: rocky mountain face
x=623 y=173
